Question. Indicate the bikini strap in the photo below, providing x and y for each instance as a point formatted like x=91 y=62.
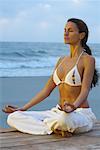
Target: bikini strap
x=64 y=59
x=79 y=57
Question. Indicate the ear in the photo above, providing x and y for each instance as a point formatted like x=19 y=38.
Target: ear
x=82 y=35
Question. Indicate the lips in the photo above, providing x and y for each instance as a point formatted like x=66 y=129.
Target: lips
x=66 y=38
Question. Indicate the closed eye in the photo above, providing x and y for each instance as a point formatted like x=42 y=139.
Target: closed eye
x=69 y=30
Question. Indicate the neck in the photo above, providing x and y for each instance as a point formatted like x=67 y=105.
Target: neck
x=75 y=50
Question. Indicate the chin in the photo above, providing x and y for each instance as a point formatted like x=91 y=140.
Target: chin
x=66 y=42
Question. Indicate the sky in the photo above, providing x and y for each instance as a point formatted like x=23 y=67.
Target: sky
x=44 y=20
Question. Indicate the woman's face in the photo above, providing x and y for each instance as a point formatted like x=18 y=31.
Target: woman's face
x=71 y=33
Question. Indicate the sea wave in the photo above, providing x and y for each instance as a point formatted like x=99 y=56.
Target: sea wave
x=22 y=54
x=29 y=59
x=30 y=63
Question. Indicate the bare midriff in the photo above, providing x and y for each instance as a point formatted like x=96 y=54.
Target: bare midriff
x=69 y=94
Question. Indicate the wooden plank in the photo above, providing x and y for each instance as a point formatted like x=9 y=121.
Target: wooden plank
x=42 y=139
x=70 y=143
x=11 y=139
x=19 y=135
x=12 y=134
x=4 y=130
x=23 y=138
x=29 y=141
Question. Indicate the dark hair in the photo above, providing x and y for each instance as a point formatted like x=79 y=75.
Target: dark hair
x=82 y=27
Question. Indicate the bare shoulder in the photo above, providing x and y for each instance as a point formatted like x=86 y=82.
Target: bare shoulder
x=59 y=61
x=88 y=60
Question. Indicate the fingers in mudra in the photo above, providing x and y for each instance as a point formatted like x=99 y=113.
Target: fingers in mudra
x=9 y=109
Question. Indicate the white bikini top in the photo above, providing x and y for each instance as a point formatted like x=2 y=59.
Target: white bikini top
x=72 y=78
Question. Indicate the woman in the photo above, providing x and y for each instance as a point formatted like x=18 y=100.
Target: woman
x=74 y=75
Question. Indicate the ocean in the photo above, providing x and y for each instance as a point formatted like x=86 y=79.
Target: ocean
x=34 y=59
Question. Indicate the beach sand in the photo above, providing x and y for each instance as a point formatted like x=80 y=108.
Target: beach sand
x=19 y=90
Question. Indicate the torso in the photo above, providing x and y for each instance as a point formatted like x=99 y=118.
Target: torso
x=70 y=93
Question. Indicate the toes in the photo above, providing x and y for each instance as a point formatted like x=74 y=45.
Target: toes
x=62 y=133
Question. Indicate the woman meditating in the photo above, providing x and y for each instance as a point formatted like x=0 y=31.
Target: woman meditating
x=74 y=75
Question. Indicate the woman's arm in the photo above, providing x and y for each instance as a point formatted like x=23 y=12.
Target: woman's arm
x=44 y=93
x=89 y=66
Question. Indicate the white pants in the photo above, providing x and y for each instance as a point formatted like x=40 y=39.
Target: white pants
x=44 y=122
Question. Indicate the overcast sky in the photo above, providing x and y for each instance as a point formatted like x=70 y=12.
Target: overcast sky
x=44 y=20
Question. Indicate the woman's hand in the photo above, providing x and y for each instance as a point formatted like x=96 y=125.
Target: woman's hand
x=68 y=107
x=11 y=109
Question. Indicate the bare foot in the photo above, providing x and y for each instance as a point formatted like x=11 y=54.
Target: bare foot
x=63 y=133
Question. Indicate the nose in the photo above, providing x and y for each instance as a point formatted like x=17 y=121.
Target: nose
x=65 y=32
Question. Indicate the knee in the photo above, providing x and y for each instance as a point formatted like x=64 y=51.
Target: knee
x=12 y=117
